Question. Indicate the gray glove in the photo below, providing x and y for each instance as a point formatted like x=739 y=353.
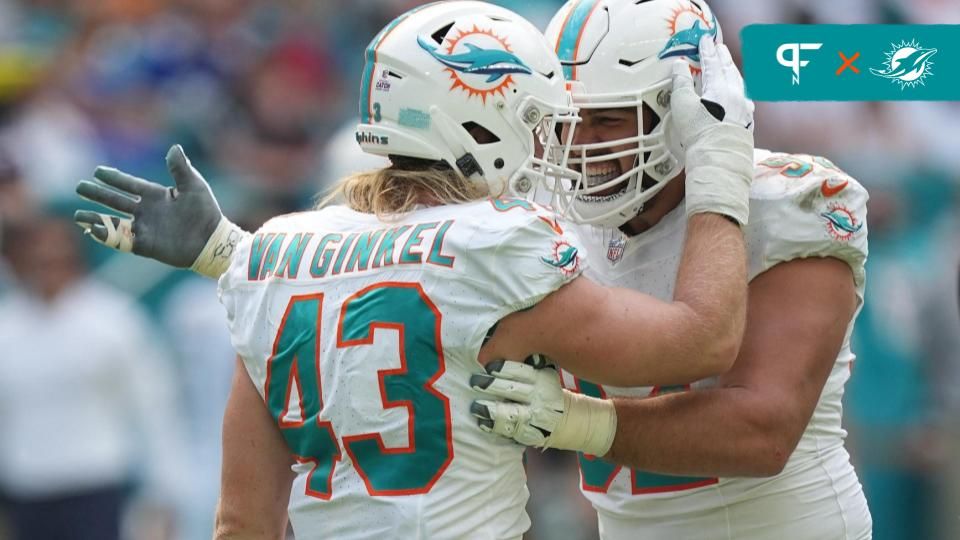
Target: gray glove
x=173 y=225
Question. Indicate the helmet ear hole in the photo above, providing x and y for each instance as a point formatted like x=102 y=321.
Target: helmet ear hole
x=480 y=134
x=654 y=119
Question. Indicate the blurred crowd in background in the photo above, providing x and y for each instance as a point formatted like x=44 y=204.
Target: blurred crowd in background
x=114 y=370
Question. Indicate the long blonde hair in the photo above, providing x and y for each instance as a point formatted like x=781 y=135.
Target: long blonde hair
x=406 y=183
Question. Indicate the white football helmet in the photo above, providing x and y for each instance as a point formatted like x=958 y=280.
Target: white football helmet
x=616 y=54
x=471 y=84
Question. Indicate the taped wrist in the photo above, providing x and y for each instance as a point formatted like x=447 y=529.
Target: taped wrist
x=214 y=259
x=588 y=425
x=719 y=173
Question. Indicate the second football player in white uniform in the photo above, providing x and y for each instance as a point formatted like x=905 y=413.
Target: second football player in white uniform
x=758 y=452
x=708 y=447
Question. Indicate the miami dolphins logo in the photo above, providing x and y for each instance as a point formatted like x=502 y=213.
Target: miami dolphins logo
x=908 y=64
x=474 y=53
x=565 y=257
x=841 y=223
x=685 y=37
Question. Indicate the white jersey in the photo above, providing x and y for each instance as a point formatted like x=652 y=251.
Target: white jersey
x=801 y=206
x=361 y=336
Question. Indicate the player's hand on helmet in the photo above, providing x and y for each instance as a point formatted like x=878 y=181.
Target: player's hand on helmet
x=715 y=129
x=525 y=402
x=181 y=226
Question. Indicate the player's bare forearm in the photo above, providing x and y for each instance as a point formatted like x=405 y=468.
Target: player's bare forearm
x=626 y=338
x=712 y=284
x=623 y=337
x=225 y=530
x=609 y=336
x=717 y=432
x=233 y=523
x=752 y=421
x=256 y=474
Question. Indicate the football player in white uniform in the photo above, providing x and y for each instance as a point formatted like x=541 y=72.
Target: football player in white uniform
x=758 y=452
x=358 y=326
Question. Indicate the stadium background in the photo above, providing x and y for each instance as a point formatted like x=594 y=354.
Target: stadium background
x=262 y=96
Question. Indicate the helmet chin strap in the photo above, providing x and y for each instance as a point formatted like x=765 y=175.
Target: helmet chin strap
x=638 y=178
x=627 y=227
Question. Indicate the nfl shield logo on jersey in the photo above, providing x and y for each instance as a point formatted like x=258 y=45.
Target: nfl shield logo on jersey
x=615 y=249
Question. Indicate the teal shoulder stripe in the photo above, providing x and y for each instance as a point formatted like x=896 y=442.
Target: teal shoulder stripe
x=567 y=42
x=369 y=57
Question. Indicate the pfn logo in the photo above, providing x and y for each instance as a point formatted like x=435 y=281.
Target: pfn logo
x=794 y=62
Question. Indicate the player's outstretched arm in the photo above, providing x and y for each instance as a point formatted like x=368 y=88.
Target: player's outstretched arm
x=748 y=426
x=181 y=226
x=256 y=475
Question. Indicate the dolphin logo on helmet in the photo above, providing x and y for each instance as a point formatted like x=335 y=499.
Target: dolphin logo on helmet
x=687 y=42
x=479 y=61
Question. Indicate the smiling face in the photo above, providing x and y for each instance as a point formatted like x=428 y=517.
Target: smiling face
x=609 y=125
x=602 y=126
x=618 y=62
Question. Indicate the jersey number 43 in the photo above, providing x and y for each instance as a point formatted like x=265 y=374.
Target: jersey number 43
x=295 y=363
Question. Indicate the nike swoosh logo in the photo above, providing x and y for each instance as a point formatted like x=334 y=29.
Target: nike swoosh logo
x=628 y=63
x=829 y=191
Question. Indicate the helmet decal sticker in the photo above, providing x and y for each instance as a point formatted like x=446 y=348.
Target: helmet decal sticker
x=685 y=38
x=479 y=62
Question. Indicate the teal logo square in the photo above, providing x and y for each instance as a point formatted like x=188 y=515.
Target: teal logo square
x=851 y=62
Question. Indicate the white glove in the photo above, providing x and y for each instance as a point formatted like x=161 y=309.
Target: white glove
x=716 y=132
x=534 y=410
